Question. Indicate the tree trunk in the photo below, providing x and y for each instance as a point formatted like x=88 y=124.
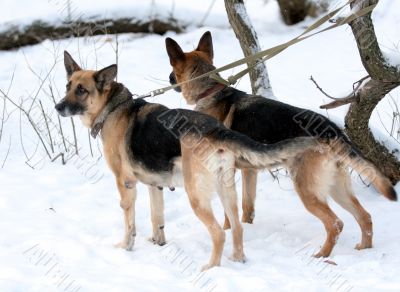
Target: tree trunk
x=383 y=78
x=245 y=33
x=357 y=129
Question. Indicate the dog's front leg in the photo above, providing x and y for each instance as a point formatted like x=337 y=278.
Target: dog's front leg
x=157 y=215
x=127 y=190
x=249 y=187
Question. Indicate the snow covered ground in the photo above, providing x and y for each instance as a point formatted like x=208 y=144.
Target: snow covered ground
x=59 y=223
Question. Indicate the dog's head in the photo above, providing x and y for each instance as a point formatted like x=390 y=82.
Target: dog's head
x=189 y=65
x=86 y=92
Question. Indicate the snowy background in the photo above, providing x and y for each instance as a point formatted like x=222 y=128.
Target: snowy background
x=59 y=223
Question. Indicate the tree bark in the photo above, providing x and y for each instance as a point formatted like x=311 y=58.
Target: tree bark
x=16 y=36
x=383 y=78
x=245 y=33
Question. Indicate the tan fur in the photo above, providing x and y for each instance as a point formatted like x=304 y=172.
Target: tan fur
x=316 y=175
x=113 y=135
x=201 y=180
x=206 y=168
x=94 y=101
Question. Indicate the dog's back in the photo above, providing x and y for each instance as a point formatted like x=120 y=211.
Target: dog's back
x=270 y=121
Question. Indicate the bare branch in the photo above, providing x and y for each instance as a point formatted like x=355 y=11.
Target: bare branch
x=201 y=23
x=352 y=97
x=8 y=151
x=59 y=155
x=47 y=126
x=75 y=139
x=368 y=46
x=339 y=102
x=58 y=117
x=320 y=89
x=27 y=115
x=90 y=142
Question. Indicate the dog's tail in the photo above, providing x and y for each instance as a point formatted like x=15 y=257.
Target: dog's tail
x=257 y=155
x=347 y=153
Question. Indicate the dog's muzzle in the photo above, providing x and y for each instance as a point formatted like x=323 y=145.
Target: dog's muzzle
x=67 y=109
x=172 y=81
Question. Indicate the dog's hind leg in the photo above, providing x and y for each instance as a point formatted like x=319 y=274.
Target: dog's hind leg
x=127 y=203
x=312 y=181
x=227 y=193
x=333 y=225
x=343 y=194
x=157 y=215
x=199 y=185
x=204 y=212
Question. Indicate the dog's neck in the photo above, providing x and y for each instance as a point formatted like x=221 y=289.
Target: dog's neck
x=117 y=96
x=211 y=91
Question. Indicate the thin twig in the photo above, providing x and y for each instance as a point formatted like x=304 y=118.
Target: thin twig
x=320 y=89
x=47 y=126
x=337 y=103
x=116 y=53
x=201 y=23
x=8 y=151
x=75 y=140
x=3 y=116
x=43 y=80
x=59 y=155
x=59 y=119
x=352 y=97
x=30 y=121
x=90 y=143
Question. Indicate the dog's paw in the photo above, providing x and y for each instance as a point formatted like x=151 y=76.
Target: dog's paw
x=121 y=244
x=321 y=254
x=158 y=239
x=248 y=218
x=360 y=246
x=126 y=244
x=158 y=236
x=238 y=257
x=208 y=266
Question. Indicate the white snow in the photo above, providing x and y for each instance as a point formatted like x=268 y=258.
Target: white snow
x=59 y=223
x=392 y=58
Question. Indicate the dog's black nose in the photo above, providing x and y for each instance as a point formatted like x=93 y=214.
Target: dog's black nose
x=172 y=81
x=60 y=107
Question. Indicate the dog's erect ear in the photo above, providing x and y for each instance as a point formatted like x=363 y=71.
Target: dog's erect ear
x=174 y=51
x=70 y=65
x=206 y=45
x=105 y=76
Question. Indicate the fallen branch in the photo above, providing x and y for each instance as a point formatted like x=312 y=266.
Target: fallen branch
x=16 y=36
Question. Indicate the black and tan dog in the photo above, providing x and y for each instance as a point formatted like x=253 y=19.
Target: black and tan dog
x=316 y=175
x=160 y=147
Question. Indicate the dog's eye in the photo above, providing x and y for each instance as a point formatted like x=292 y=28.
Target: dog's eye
x=80 y=90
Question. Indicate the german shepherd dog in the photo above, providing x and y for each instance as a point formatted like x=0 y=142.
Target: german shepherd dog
x=159 y=147
x=315 y=174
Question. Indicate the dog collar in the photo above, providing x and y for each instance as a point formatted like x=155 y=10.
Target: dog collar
x=116 y=101
x=216 y=88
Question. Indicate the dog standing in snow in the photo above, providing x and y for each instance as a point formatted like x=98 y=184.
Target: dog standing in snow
x=316 y=175
x=163 y=147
